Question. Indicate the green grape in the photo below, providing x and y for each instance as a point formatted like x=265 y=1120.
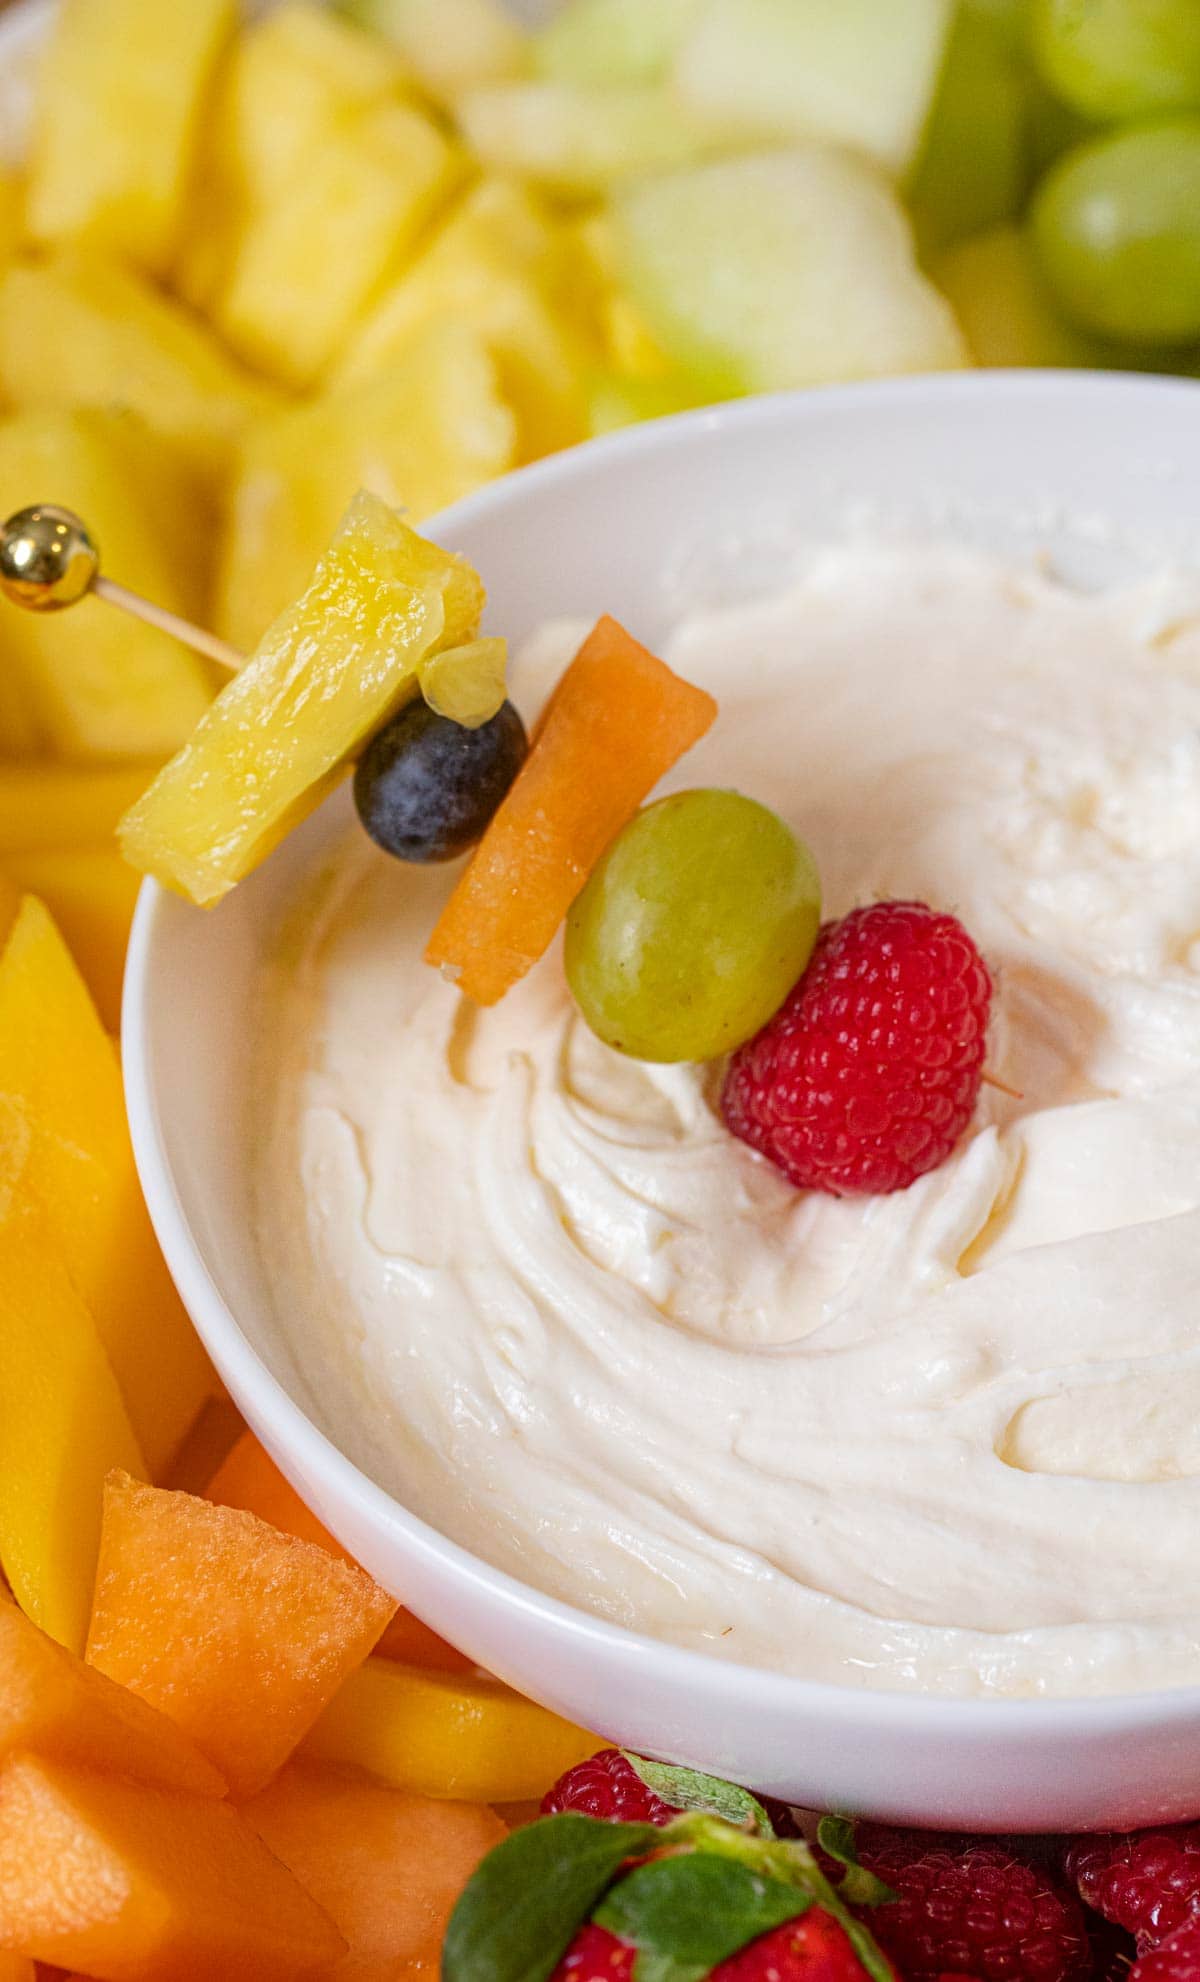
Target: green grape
x=1116 y=229
x=693 y=928
x=972 y=171
x=1119 y=58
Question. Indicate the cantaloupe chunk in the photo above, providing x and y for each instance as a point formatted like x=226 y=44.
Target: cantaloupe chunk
x=618 y=720
x=466 y=1737
x=44 y=806
x=419 y=433
x=65 y=1150
x=134 y=1884
x=103 y=686
x=62 y=1424
x=325 y=675
x=91 y=893
x=386 y=1866
x=80 y=330
x=55 y=1706
x=249 y=1478
x=17 y=1968
x=235 y=1631
x=115 y=138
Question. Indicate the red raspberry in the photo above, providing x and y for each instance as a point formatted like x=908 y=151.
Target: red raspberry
x=1145 y=1881
x=1175 y=1959
x=813 y=1948
x=867 y=1075
x=972 y=1907
x=606 y=1786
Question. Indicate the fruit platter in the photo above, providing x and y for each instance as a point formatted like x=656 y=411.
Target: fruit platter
x=599 y=972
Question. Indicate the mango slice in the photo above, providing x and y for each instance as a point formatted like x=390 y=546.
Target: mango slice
x=468 y=1737
x=239 y=1634
x=91 y=893
x=344 y=1839
x=79 y=330
x=101 y=686
x=62 y=1426
x=55 y=1706
x=616 y=723
x=65 y=1154
x=325 y=676
x=419 y=434
x=114 y=144
x=249 y=1478
x=134 y=1884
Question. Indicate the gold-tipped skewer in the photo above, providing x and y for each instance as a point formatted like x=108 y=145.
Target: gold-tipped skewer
x=49 y=560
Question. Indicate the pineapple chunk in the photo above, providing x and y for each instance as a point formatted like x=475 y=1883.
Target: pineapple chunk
x=79 y=330
x=578 y=140
x=293 y=77
x=613 y=41
x=449 y=44
x=783 y=269
x=327 y=674
x=500 y=265
x=51 y=807
x=420 y=435
x=102 y=686
x=310 y=259
x=858 y=72
x=12 y=216
x=122 y=94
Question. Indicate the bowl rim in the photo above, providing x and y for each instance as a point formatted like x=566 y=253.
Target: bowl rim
x=1019 y=1720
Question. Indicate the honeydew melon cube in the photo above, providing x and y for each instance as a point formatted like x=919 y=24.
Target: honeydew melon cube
x=450 y=45
x=613 y=41
x=782 y=269
x=858 y=72
x=577 y=140
x=420 y=434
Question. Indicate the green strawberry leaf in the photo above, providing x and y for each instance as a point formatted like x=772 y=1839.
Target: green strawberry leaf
x=858 y=1887
x=685 y=1914
x=523 y=1906
x=687 y=1789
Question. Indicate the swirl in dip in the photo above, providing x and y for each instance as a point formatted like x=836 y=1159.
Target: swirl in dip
x=947 y=1440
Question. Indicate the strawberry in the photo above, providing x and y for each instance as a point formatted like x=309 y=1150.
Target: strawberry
x=813 y=1948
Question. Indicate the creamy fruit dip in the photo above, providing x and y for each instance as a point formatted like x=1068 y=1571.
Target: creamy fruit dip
x=947 y=1440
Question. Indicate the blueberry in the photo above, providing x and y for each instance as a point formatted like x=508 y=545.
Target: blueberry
x=426 y=788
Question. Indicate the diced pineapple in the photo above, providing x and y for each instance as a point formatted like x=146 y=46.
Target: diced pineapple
x=783 y=269
x=618 y=400
x=102 y=686
x=124 y=87
x=293 y=77
x=310 y=259
x=20 y=733
x=420 y=435
x=613 y=41
x=46 y=807
x=577 y=140
x=449 y=44
x=83 y=331
x=857 y=72
x=466 y=684
x=329 y=672
x=499 y=264
x=1007 y=314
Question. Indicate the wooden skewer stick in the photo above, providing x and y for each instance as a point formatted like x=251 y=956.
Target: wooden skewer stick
x=220 y=651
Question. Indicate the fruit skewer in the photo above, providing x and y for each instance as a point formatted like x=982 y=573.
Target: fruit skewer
x=49 y=560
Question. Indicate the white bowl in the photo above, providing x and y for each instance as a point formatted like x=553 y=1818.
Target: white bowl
x=1102 y=471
